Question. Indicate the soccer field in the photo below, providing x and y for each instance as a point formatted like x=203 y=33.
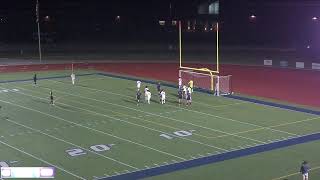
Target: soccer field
x=96 y=130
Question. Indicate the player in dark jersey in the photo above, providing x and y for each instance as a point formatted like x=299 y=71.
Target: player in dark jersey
x=159 y=90
x=51 y=98
x=180 y=95
x=138 y=97
x=159 y=87
x=188 y=98
x=35 y=79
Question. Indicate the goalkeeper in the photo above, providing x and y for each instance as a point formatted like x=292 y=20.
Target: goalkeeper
x=191 y=85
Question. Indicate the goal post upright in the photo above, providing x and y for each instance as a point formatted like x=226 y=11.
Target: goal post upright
x=199 y=69
x=217 y=46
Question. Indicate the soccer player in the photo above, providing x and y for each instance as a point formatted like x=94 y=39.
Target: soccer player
x=51 y=98
x=184 y=89
x=138 y=85
x=180 y=95
x=188 y=98
x=191 y=85
x=159 y=87
x=180 y=82
x=148 y=95
x=35 y=79
x=73 y=78
x=163 y=96
x=138 y=97
x=304 y=170
x=146 y=89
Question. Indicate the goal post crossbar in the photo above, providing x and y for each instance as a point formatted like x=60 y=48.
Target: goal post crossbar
x=199 y=69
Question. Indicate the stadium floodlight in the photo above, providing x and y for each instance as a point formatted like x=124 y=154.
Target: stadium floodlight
x=314 y=18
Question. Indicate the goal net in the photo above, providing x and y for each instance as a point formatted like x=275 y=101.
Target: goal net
x=219 y=85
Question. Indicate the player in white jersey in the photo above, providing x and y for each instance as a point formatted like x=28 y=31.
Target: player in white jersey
x=146 y=89
x=148 y=96
x=163 y=96
x=184 y=90
x=180 y=82
x=73 y=78
x=138 y=85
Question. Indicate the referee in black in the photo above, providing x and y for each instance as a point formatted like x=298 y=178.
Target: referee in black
x=35 y=79
x=51 y=98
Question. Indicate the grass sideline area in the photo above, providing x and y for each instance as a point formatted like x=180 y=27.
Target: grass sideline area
x=96 y=130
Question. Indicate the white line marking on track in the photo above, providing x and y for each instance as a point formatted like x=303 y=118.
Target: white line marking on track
x=46 y=162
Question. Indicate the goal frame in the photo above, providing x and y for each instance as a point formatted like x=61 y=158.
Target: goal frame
x=213 y=88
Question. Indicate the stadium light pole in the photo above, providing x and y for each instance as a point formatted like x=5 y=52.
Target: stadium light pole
x=38 y=23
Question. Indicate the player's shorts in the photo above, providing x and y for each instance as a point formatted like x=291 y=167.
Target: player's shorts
x=188 y=97
x=180 y=96
x=305 y=175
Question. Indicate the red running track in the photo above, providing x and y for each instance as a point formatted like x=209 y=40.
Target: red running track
x=290 y=85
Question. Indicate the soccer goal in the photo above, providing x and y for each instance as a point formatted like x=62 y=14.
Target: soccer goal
x=219 y=85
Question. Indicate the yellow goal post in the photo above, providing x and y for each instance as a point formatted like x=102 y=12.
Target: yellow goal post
x=216 y=71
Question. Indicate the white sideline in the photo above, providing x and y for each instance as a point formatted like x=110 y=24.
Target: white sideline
x=104 y=115
x=67 y=142
x=39 y=159
x=102 y=132
x=199 y=112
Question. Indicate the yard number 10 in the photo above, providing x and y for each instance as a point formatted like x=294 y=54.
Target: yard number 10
x=176 y=134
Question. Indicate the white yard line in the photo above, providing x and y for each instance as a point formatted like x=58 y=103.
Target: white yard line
x=195 y=125
x=128 y=122
x=46 y=162
x=199 y=112
x=67 y=142
x=92 y=129
x=241 y=122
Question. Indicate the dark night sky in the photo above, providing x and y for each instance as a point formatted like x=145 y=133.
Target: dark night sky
x=285 y=20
